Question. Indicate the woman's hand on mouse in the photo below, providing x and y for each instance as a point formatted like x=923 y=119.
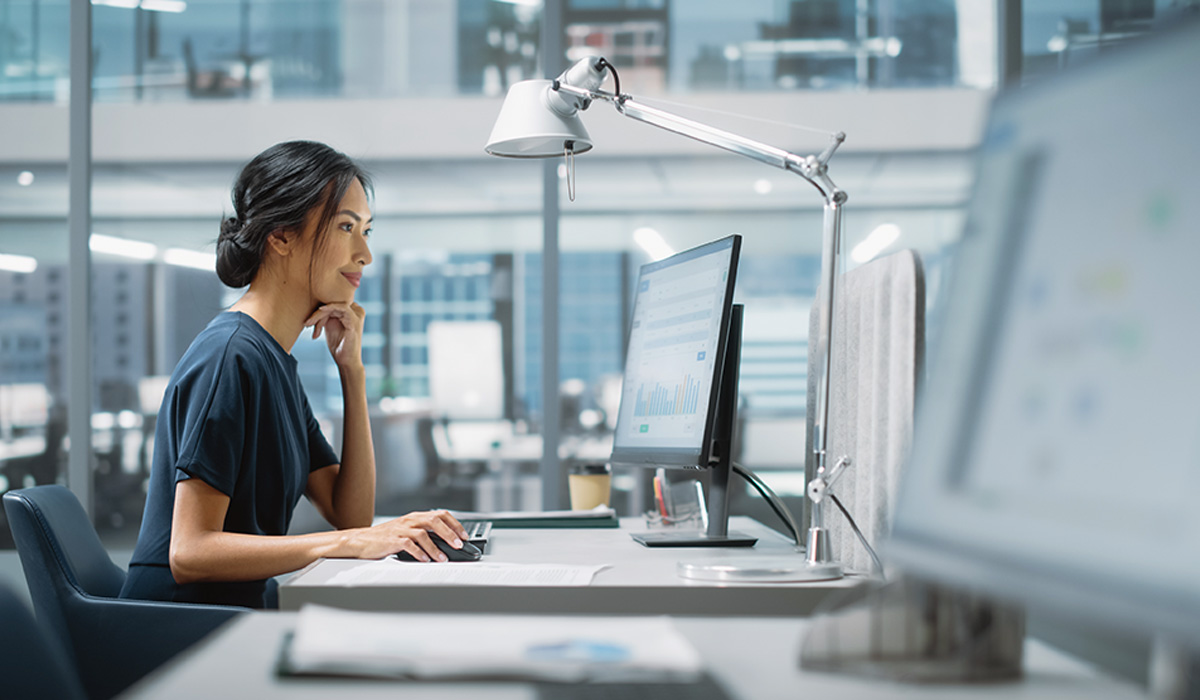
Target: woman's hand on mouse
x=411 y=533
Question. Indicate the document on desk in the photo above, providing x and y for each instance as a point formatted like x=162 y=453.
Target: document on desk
x=527 y=647
x=391 y=572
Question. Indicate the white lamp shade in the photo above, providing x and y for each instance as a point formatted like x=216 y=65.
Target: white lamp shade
x=528 y=128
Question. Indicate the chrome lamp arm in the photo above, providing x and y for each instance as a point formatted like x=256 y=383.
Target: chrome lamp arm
x=575 y=90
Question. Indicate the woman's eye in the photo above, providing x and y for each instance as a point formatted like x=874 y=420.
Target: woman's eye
x=348 y=227
x=367 y=233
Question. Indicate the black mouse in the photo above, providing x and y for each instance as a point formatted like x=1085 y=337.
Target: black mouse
x=469 y=552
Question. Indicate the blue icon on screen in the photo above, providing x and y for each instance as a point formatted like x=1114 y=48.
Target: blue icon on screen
x=645 y=285
x=699 y=356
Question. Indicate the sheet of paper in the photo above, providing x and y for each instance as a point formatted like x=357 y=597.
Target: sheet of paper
x=387 y=572
x=329 y=640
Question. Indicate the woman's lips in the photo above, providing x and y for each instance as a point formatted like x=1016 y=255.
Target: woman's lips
x=354 y=278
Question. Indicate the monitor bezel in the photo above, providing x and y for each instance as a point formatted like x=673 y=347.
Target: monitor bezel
x=702 y=457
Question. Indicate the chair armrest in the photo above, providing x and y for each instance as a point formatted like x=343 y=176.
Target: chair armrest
x=118 y=641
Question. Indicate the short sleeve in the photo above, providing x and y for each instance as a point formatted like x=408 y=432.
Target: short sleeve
x=214 y=428
x=320 y=453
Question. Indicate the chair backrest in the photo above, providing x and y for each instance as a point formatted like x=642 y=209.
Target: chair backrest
x=31 y=665
x=60 y=552
x=876 y=360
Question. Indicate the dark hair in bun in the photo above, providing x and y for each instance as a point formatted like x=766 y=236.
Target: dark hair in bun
x=275 y=192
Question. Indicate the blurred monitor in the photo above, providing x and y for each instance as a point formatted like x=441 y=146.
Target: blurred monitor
x=466 y=370
x=150 y=393
x=1056 y=460
x=24 y=406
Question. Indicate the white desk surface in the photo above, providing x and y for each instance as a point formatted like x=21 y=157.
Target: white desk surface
x=754 y=658
x=640 y=580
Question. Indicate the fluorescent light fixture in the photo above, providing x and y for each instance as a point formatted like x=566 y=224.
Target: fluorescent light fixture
x=25 y=178
x=17 y=263
x=123 y=247
x=763 y=186
x=175 y=6
x=151 y=5
x=652 y=242
x=190 y=258
x=883 y=236
x=529 y=3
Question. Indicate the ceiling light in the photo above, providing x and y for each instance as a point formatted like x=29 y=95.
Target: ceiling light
x=25 y=178
x=883 y=236
x=175 y=6
x=652 y=242
x=190 y=258
x=123 y=247
x=17 y=263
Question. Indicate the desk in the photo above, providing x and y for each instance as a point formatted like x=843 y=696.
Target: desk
x=238 y=661
x=640 y=580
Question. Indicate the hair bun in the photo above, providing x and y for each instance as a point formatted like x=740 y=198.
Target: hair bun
x=231 y=227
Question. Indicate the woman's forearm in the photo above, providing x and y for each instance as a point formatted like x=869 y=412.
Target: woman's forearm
x=353 y=499
x=229 y=556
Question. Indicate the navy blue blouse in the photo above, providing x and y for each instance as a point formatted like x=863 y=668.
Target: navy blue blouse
x=235 y=416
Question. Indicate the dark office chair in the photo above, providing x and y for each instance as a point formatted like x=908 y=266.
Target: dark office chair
x=74 y=586
x=31 y=666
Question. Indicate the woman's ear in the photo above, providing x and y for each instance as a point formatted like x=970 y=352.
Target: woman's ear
x=282 y=242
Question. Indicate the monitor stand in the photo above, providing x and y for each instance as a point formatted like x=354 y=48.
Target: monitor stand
x=718 y=534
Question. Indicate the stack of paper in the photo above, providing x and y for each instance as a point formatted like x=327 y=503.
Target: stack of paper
x=600 y=516
x=567 y=649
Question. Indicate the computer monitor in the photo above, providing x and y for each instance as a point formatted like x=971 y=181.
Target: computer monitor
x=466 y=370
x=679 y=392
x=1056 y=458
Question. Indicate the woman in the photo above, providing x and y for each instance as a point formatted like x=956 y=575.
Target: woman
x=236 y=443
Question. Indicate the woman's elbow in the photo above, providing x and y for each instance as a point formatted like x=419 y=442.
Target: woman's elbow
x=184 y=567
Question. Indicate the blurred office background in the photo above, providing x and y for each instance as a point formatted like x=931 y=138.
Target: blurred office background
x=186 y=92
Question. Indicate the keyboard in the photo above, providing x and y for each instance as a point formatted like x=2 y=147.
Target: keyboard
x=478 y=531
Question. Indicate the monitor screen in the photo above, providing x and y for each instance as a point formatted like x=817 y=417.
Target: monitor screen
x=466 y=370
x=1056 y=459
x=676 y=349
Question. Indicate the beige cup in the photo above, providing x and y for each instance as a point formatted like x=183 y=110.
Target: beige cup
x=590 y=486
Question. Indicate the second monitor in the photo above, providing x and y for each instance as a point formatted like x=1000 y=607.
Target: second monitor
x=679 y=393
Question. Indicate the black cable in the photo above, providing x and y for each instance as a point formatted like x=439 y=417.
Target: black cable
x=772 y=500
x=601 y=65
x=861 y=538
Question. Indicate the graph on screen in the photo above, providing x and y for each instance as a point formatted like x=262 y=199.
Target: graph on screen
x=673 y=348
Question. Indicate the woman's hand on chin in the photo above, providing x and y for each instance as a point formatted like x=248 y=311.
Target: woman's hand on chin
x=342 y=324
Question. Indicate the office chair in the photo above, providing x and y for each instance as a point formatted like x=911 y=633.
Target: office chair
x=74 y=586
x=877 y=355
x=31 y=666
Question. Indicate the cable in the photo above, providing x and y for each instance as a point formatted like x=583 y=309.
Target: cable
x=861 y=538
x=601 y=65
x=774 y=501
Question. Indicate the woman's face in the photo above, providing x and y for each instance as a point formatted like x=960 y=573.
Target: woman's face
x=338 y=263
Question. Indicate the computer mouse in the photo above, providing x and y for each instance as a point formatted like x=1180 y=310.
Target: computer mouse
x=469 y=552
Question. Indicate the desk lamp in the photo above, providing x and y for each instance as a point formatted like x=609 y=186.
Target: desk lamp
x=540 y=119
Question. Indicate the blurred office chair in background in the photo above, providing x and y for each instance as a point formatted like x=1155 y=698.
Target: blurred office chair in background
x=877 y=355
x=74 y=586
x=31 y=665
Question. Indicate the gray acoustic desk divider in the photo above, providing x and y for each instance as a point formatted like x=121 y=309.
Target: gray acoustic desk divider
x=876 y=362
x=906 y=630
